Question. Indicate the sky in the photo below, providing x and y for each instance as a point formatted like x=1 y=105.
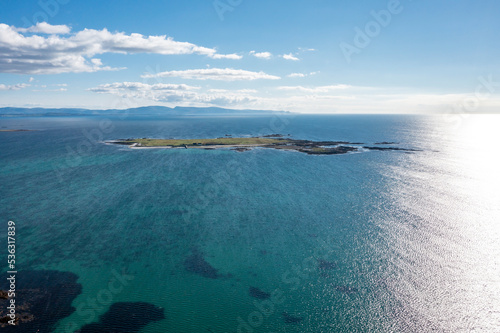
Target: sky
x=310 y=56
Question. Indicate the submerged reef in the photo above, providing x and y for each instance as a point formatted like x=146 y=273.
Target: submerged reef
x=42 y=298
x=326 y=265
x=289 y=319
x=259 y=294
x=196 y=263
x=126 y=317
x=346 y=289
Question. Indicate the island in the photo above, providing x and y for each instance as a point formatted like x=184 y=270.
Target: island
x=242 y=144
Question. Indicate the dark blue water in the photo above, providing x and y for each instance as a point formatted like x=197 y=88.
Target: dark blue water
x=362 y=242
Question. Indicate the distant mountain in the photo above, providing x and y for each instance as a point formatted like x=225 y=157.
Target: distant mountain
x=147 y=110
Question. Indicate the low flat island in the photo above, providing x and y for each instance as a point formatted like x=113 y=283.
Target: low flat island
x=277 y=141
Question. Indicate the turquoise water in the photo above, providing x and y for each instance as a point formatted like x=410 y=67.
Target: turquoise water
x=414 y=236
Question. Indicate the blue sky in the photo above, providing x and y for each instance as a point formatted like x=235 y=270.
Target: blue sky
x=306 y=56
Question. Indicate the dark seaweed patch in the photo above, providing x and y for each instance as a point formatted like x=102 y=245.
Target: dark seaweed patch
x=326 y=265
x=259 y=294
x=196 y=263
x=126 y=317
x=42 y=299
x=289 y=319
x=346 y=289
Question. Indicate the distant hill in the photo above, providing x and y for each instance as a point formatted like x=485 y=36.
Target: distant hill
x=147 y=110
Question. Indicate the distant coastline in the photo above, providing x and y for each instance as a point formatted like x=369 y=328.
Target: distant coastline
x=16 y=130
x=145 y=111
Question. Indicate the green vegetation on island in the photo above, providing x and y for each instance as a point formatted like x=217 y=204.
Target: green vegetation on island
x=275 y=141
x=258 y=141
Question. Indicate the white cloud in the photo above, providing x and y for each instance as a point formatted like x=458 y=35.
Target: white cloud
x=320 y=89
x=153 y=92
x=45 y=28
x=96 y=62
x=51 y=90
x=18 y=86
x=262 y=55
x=176 y=93
x=297 y=75
x=290 y=56
x=306 y=49
x=56 y=54
x=243 y=91
x=139 y=86
x=31 y=79
x=302 y=74
x=247 y=91
x=43 y=87
x=233 y=56
x=232 y=99
x=227 y=74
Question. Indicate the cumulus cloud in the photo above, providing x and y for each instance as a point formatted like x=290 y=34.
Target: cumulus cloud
x=290 y=56
x=176 y=93
x=226 y=74
x=18 y=86
x=320 y=89
x=225 y=99
x=45 y=28
x=262 y=55
x=35 y=54
x=155 y=92
x=139 y=86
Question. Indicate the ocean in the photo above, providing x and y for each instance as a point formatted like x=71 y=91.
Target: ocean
x=190 y=240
